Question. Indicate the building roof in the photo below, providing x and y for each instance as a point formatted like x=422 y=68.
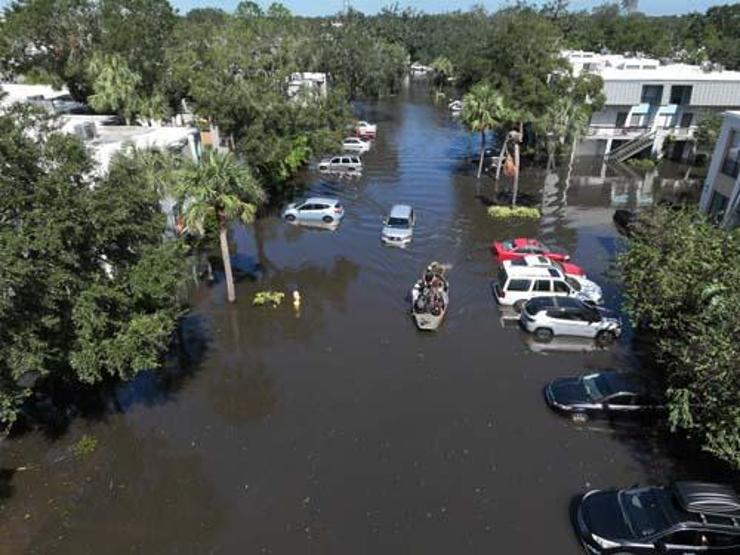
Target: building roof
x=669 y=72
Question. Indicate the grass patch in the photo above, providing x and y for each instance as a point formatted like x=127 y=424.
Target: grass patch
x=85 y=446
x=265 y=297
x=513 y=212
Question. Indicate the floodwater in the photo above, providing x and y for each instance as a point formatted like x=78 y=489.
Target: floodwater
x=340 y=428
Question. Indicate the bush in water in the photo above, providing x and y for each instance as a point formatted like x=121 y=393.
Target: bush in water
x=510 y=212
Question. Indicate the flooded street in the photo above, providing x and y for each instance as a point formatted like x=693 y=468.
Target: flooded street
x=341 y=428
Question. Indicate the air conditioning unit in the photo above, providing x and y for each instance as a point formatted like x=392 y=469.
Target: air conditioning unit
x=85 y=131
x=707 y=66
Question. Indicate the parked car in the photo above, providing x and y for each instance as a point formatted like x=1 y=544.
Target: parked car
x=355 y=144
x=346 y=163
x=521 y=246
x=685 y=518
x=604 y=394
x=365 y=129
x=546 y=317
x=315 y=210
x=574 y=275
x=398 y=227
x=516 y=284
x=626 y=220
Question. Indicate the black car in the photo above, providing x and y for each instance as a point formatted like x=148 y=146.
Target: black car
x=686 y=518
x=604 y=394
x=626 y=221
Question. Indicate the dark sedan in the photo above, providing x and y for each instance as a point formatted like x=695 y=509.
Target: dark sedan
x=603 y=395
x=686 y=518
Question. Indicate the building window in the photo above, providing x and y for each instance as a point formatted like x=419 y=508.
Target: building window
x=717 y=206
x=686 y=119
x=635 y=120
x=681 y=94
x=652 y=94
x=731 y=162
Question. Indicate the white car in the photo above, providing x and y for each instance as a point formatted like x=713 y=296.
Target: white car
x=366 y=129
x=546 y=317
x=398 y=227
x=516 y=284
x=355 y=144
x=341 y=164
x=315 y=211
x=574 y=276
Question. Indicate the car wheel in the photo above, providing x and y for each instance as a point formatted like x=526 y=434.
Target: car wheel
x=290 y=218
x=579 y=417
x=327 y=219
x=543 y=335
x=606 y=337
x=519 y=306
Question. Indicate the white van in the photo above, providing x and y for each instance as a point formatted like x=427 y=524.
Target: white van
x=515 y=284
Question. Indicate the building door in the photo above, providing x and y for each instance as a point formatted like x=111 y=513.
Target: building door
x=621 y=119
x=686 y=119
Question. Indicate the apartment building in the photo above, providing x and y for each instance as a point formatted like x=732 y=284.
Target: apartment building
x=651 y=104
x=720 y=197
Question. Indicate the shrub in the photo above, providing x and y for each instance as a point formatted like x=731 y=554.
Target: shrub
x=264 y=297
x=85 y=446
x=512 y=212
x=642 y=163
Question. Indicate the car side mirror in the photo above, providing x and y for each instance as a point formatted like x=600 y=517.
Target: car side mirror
x=384 y=220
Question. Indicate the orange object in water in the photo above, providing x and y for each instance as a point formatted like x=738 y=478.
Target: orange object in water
x=509 y=167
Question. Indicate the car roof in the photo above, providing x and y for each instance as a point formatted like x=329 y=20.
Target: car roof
x=537 y=260
x=353 y=139
x=320 y=200
x=400 y=211
x=543 y=303
x=533 y=272
x=525 y=242
x=627 y=382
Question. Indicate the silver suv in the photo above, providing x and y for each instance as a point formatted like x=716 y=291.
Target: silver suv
x=341 y=164
x=547 y=317
x=398 y=227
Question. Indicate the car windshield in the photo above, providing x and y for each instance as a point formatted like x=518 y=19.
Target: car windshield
x=597 y=386
x=398 y=223
x=643 y=512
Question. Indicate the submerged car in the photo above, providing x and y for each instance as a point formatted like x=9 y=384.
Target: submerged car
x=341 y=164
x=398 y=227
x=355 y=144
x=522 y=246
x=315 y=210
x=685 y=518
x=516 y=284
x=546 y=317
x=366 y=129
x=604 y=395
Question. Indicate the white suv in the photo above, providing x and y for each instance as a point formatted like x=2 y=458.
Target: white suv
x=515 y=284
x=547 y=317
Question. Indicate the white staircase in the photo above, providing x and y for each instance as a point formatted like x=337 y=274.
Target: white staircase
x=631 y=148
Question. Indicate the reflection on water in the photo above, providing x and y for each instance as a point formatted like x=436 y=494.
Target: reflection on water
x=340 y=428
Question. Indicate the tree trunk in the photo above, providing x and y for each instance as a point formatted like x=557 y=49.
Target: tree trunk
x=516 y=174
x=224 y=238
x=482 y=151
x=500 y=162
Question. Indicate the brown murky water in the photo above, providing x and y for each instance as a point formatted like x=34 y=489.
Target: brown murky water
x=343 y=429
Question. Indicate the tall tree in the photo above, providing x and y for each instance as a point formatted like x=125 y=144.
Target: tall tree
x=89 y=287
x=220 y=188
x=483 y=109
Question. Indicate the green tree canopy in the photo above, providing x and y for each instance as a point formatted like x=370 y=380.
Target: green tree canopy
x=87 y=286
x=680 y=281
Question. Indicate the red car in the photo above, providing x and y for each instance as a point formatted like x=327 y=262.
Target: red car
x=521 y=246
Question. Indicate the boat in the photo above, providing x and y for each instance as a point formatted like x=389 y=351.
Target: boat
x=430 y=298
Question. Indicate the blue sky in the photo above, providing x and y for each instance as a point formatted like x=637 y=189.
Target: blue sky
x=324 y=7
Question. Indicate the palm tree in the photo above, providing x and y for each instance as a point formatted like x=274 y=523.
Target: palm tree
x=483 y=109
x=218 y=187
